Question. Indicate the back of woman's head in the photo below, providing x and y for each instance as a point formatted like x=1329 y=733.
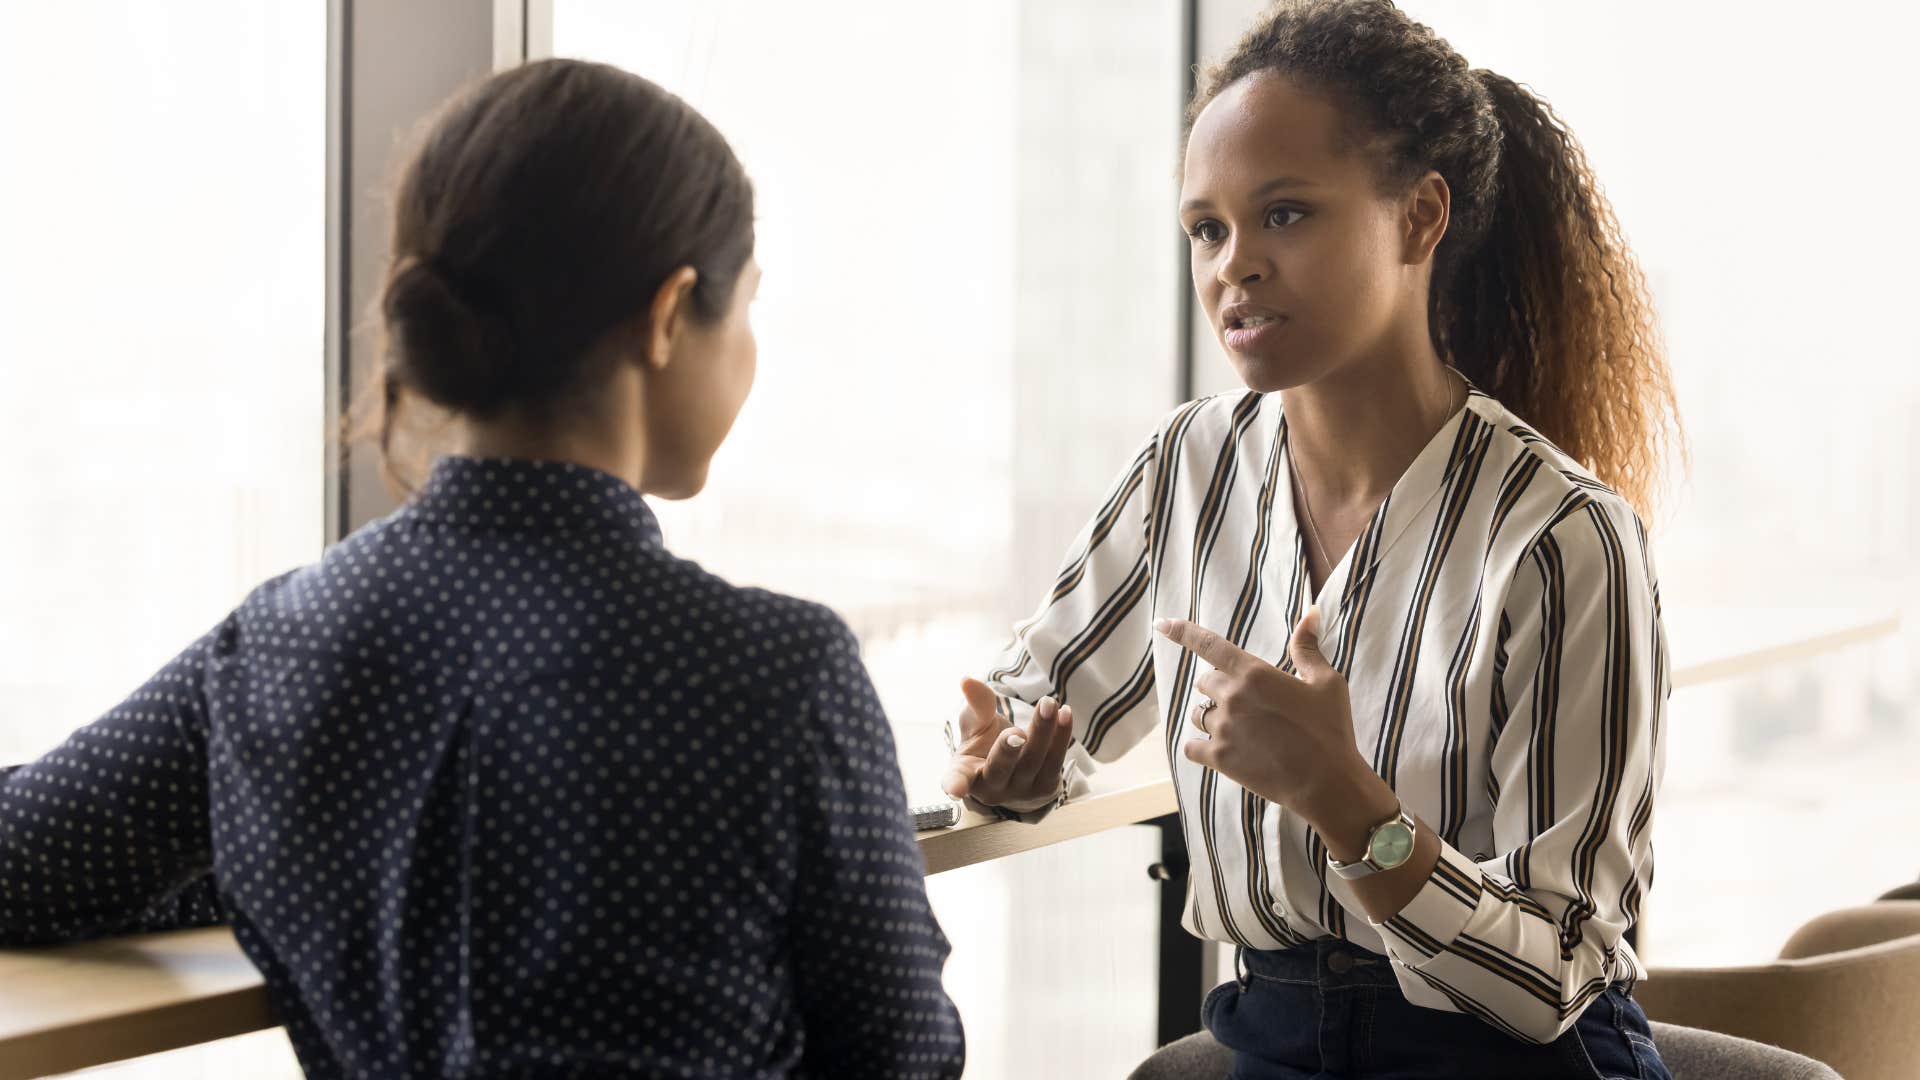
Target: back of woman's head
x=546 y=206
x=1535 y=295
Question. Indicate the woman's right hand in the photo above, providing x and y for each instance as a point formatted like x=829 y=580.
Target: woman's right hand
x=999 y=764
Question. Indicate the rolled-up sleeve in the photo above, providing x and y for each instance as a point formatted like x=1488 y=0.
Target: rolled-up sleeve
x=1527 y=938
x=1089 y=644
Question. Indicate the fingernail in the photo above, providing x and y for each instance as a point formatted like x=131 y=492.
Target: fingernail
x=1163 y=625
x=1016 y=741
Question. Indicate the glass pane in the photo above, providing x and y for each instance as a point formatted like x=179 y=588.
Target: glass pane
x=967 y=230
x=968 y=324
x=161 y=376
x=161 y=369
x=1750 y=158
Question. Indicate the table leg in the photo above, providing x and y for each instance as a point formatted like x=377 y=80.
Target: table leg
x=1181 y=954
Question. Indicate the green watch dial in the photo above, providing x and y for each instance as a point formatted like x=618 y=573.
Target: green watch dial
x=1390 y=845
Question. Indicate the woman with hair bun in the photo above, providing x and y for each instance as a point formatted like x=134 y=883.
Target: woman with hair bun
x=500 y=787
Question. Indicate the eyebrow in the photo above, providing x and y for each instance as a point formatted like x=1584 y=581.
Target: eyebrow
x=1278 y=183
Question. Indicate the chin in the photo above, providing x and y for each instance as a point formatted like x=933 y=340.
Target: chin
x=1270 y=374
x=678 y=487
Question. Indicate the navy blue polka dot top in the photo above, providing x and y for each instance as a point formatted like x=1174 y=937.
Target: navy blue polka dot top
x=500 y=787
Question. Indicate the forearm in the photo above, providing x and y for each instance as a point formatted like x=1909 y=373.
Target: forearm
x=1464 y=940
x=104 y=832
x=24 y=923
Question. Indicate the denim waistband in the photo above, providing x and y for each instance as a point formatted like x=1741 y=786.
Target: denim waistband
x=1327 y=962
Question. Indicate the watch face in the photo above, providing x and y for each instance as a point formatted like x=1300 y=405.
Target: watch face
x=1391 y=845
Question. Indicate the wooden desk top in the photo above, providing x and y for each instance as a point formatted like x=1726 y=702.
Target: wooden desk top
x=76 y=1006
x=1715 y=643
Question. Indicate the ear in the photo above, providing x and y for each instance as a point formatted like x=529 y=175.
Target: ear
x=667 y=316
x=1428 y=207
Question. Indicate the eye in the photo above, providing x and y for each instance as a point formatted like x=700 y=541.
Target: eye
x=1290 y=215
x=1206 y=230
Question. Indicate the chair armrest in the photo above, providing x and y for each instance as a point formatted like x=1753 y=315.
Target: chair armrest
x=1754 y=1002
x=1854 y=928
x=1849 y=1009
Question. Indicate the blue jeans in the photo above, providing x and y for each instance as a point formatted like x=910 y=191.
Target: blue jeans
x=1331 y=1010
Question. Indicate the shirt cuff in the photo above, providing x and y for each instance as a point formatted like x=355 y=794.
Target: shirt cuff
x=1438 y=912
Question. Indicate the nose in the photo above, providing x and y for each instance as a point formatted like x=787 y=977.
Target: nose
x=1242 y=266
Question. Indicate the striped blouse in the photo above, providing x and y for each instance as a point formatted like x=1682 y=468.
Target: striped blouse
x=1498 y=622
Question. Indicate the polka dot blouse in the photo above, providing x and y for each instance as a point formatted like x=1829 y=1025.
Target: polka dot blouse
x=501 y=788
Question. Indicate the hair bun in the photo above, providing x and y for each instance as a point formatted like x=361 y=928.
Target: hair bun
x=443 y=345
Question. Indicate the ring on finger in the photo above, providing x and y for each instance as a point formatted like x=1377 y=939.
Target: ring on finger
x=1200 y=714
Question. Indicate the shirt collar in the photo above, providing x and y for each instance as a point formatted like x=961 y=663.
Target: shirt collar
x=535 y=497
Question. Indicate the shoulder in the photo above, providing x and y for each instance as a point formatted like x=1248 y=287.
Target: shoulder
x=802 y=627
x=709 y=605
x=783 y=645
x=1203 y=421
x=1560 y=530
x=1191 y=441
x=327 y=604
x=1550 y=495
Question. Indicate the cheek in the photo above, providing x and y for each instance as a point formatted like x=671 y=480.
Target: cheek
x=748 y=364
x=1348 y=282
x=1204 y=269
x=727 y=389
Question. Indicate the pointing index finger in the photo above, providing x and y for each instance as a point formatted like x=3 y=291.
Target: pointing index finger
x=1224 y=655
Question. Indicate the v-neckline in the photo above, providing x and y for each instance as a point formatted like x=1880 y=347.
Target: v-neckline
x=1415 y=488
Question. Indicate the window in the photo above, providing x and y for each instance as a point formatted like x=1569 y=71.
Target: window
x=161 y=372
x=969 y=320
x=160 y=347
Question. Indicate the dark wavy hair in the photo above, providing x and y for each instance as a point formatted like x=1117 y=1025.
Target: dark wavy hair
x=546 y=205
x=1535 y=296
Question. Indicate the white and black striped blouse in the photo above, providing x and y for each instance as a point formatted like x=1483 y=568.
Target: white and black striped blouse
x=1498 y=622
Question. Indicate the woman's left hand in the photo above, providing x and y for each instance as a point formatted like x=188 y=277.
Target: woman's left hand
x=1287 y=738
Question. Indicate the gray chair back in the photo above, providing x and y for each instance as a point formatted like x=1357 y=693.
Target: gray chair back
x=1690 y=1054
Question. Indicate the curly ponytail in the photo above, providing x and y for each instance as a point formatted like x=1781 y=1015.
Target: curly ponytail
x=1535 y=294
x=1551 y=315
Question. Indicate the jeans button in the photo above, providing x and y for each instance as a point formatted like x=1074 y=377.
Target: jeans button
x=1340 y=962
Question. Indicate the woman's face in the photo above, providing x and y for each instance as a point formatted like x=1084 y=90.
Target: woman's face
x=1300 y=262
x=692 y=401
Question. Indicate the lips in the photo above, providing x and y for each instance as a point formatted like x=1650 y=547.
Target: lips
x=1247 y=325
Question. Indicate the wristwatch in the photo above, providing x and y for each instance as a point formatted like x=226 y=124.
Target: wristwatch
x=1389 y=844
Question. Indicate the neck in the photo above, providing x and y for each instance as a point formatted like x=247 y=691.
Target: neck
x=601 y=429
x=1354 y=432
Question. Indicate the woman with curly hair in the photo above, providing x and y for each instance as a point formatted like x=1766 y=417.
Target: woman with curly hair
x=1394 y=602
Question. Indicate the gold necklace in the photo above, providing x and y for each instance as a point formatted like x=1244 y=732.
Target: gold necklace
x=1313 y=529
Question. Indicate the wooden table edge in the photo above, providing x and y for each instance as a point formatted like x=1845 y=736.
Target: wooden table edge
x=982 y=839
x=105 y=1039
x=1772 y=655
